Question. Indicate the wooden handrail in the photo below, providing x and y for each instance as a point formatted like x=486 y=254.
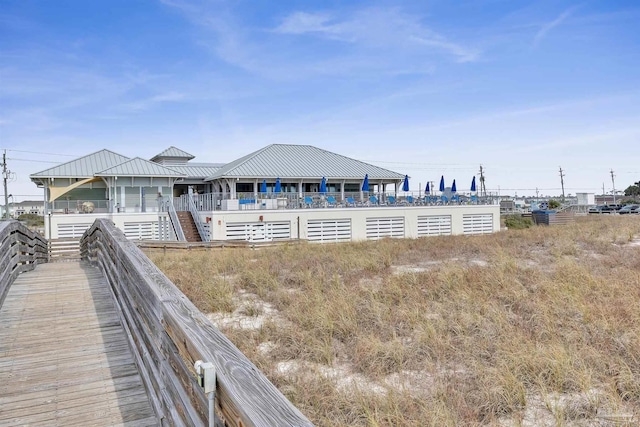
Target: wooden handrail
x=168 y=334
x=20 y=250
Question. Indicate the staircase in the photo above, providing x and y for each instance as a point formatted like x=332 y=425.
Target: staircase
x=189 y=227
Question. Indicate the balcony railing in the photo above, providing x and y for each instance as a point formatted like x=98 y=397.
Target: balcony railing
x=78 y=206
x=248 y=201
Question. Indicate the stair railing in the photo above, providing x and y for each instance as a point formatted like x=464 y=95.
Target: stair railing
x=198 y=221
x=167 y=206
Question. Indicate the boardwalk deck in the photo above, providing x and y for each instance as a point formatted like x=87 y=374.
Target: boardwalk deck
x=64 y=357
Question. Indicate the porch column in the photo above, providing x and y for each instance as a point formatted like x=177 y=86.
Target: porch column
x=255 y=189
x=342 y=190
x=301 y=189
x=232 y=187
x=46 y=198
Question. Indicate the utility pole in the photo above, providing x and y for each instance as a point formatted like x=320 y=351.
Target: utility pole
x=5 y=178
x=483 y=189
x=562 y=182
x=613 y=183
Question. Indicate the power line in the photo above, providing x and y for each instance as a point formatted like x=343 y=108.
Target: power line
x=31 y=160
x=39 y=152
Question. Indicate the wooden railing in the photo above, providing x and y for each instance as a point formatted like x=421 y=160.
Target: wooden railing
x=168 y=334
x=204 y=235
x=20 y=250
x=167 y=206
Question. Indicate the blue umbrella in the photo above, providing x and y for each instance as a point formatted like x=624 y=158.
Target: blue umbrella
x=365 y=184
x=427 y=190
x=323 y=186
x=278 y=188
x=453 y=187
x=263 y=187
x=473 y=184
x=405 y=186
x=442 y=183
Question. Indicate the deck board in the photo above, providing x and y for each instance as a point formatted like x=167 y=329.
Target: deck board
x=64 y=356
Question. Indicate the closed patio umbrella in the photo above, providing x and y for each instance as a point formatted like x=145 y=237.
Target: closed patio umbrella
x=427 y=190
x=453 y=187
x=365 y=184
x=405 y=185
x=473 y=184
x=323 y=186
x=278 y=188
x=442 y=183
x=263 y=186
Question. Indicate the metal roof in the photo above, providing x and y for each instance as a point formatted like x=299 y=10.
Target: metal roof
x=197 y=170
x=140 y=167
x=83 y=167
x=173 y=152
x=300 y=161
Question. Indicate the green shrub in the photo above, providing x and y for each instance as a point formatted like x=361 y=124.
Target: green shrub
x=554 y=204
x=517 y=222
x=32 y=220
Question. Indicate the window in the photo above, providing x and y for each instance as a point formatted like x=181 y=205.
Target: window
x=244 y=187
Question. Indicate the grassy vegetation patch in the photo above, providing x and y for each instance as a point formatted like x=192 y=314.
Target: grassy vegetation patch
x=528 y=327
x=517 y=222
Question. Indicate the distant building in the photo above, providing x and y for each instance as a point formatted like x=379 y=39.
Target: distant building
x=35 y=207
x=586 y=199
x=16 y=209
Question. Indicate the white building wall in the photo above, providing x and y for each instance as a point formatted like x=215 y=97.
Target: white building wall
x=74 y=225
x=300 y=218
x=360 y=223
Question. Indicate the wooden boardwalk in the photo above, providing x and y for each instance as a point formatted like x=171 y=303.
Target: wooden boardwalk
x=64 y=356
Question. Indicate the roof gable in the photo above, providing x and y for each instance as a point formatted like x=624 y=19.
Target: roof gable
x=173 y=152
x=139 y=167
x=83 y=167
x=199 y=170
x=301 y=161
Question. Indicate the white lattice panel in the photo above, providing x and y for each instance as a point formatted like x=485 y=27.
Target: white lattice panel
x=329 y=230
x=434 y=225
x=378 y=228
x=141 y=230
x=477 y=224
x=72 y=231
x=258 y=231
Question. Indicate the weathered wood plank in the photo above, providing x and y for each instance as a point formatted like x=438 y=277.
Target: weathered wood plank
x=20 y=250
x=64 y=353
x=163 y=322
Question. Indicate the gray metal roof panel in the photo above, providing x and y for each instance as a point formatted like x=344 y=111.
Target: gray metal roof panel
x=173 y=152
x=83 y=167
x=301 y=161
x=197 y=171
x=140 y=167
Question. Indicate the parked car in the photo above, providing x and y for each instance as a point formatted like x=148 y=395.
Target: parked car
x=602 y=209
x=628 y=209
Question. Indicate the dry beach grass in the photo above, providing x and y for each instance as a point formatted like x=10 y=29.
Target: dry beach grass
x=521 y=328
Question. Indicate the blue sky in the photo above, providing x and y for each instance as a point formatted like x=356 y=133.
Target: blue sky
x=426 y=88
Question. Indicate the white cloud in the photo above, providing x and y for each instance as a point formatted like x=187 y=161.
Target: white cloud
x=147 y=103
x=379 y=28
x=542 y=33
x=303 y=22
